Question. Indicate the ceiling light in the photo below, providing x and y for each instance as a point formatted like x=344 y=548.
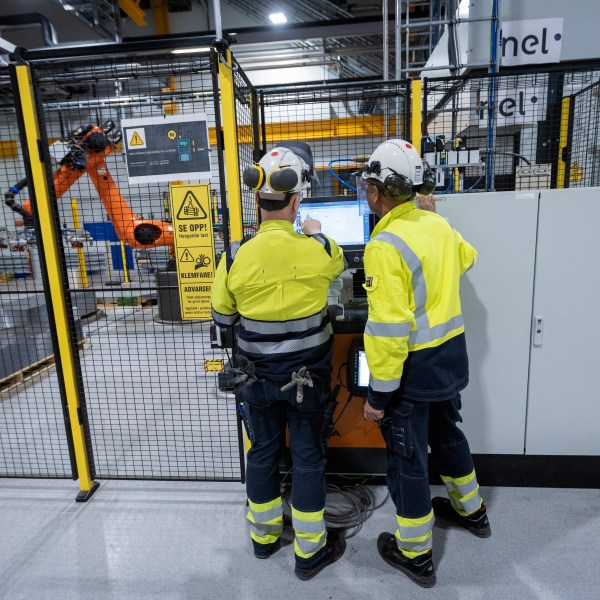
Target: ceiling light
x=191 y=50
x=278 y=18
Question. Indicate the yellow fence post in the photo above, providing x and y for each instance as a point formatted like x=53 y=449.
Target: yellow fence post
x=125 y=267
x=80 y=252
x=232 y=165
x=565 y=112
x=416 y=89
x=41 y=202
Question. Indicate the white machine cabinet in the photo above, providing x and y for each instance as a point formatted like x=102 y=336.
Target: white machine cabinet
x=564 y=391
x=497 y=299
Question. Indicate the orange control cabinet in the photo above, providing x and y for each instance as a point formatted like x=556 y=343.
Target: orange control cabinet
x=351 y=430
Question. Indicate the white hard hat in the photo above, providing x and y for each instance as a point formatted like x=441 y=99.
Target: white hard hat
x=285 y=169
x=397 y=164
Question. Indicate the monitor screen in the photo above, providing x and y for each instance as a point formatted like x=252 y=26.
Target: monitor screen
x=363 y=369
x=358 y=369
x=340 y=220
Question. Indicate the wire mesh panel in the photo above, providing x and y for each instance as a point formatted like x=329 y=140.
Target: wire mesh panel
x=498 y=132
x=33 y=439
x=343 y=123
x=584 y=142
x=153 y=408
x=247 y=123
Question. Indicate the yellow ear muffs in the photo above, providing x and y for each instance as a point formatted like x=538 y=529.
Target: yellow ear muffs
x=254 y=177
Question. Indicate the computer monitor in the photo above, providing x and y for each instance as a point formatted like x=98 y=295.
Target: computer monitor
x=358 y=370
x=340 y=219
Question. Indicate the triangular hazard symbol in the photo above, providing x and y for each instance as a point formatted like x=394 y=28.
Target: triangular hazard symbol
x=191 y=208
x=136 y=139
x=186 y=256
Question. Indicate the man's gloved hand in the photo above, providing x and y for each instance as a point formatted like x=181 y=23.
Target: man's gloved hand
x=243 y=374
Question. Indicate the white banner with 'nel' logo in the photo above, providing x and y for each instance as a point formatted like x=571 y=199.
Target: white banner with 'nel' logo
x=533 y=41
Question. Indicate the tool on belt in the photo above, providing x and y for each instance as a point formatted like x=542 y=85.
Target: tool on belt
x=299 y=379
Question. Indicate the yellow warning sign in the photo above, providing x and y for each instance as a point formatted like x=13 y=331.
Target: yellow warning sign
x=214 y=365
x=136 y=140
x=186 y=256
x=576 y=173
x=194 y=248
x=191 y=208
x=171 y=134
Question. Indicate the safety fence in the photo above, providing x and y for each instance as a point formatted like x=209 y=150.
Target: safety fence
x=342 y=122
x=505 y=131
x=33 y=434
x=116 y=133
x=582 y=148
x=247 y=120
x=143 y=396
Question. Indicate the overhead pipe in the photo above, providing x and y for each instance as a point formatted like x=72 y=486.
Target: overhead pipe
x=490 y=179
x=48 y=29
x=424 y=23
x=386 y=74
x=397 y=37
x=386 y=62
x=407 y=42
x=217 y=15
x=453 y=37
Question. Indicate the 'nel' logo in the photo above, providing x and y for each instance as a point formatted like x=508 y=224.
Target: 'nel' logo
x=532 y=41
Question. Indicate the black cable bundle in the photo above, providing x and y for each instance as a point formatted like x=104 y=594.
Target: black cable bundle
x=347 y=506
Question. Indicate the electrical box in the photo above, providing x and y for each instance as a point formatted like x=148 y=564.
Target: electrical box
x=454 y=158
x=533 y=177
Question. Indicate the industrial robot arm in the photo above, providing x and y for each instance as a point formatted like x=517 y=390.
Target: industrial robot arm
x=88 y=148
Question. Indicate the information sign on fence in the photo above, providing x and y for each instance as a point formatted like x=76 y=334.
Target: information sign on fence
x=167 y=148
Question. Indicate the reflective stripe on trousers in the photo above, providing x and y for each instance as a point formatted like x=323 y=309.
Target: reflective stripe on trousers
x=266 y=521
x=310 y=532
x=463 y=493
x=413 y=536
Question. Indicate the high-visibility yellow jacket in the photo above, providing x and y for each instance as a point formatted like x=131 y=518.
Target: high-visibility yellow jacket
x=276 y=283
x=413 y=265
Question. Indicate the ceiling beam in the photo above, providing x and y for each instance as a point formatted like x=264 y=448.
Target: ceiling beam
x=132 y=9
x=310 y=30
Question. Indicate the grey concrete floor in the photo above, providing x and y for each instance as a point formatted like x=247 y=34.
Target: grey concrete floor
x=188 y=540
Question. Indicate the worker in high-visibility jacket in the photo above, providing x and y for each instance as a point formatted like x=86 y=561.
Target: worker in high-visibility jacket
x=417 y=356
x=276 y=284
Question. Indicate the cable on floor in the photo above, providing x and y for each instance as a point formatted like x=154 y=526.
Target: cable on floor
x=347 y=506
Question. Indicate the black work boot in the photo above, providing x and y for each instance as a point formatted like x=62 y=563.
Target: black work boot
x=477 y=523
x=265 y=550
x=419 y=569
x=334 y=548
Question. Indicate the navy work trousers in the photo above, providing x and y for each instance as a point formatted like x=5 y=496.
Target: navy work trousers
x=408 y=427
x=267 y=411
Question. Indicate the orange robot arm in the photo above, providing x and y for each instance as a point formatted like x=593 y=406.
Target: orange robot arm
x=92 y=147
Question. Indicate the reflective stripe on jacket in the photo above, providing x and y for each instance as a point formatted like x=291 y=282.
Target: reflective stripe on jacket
x=413 y=265
x=277 y=284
